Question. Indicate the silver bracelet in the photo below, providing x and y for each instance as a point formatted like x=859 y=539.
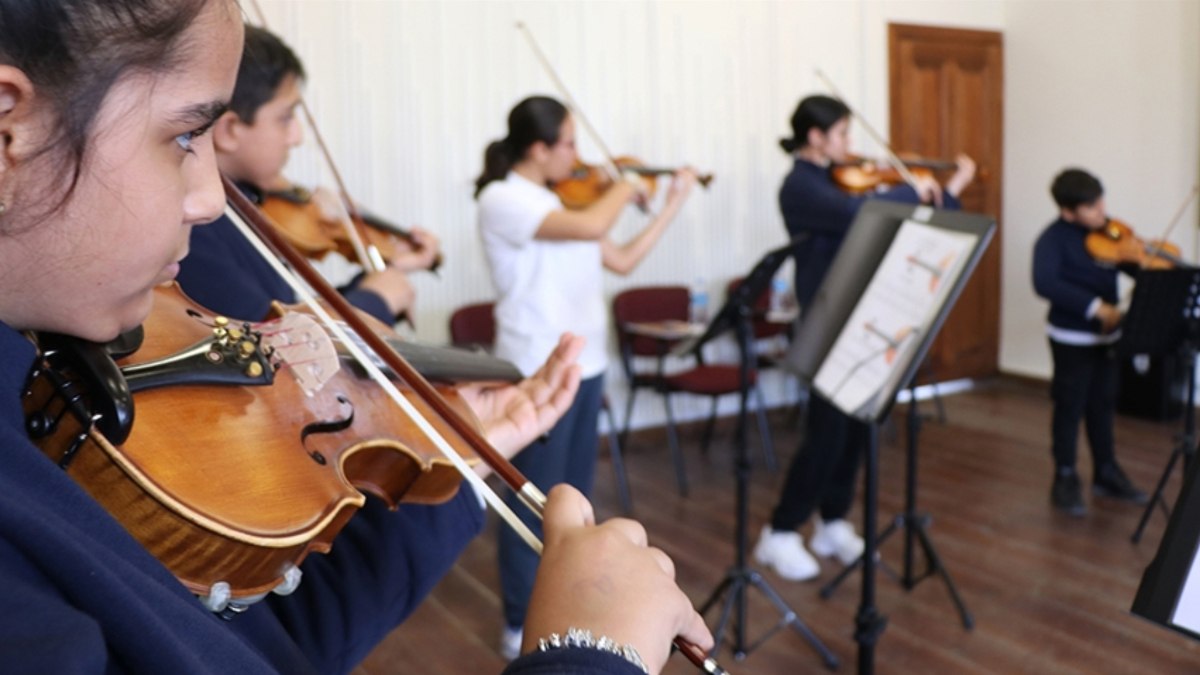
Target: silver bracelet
x=583 y=638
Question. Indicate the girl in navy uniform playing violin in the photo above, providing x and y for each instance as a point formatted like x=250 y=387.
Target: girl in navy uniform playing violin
x=821 y=476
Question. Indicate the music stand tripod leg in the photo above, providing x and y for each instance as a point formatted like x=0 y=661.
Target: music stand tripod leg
x=915 y=532
x=740 y=578
x=1184 y=448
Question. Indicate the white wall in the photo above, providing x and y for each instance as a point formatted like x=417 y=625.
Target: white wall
x=409 y=92
x=1111 y=86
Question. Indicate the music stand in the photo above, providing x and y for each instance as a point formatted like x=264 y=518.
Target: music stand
x=915 y=526
x=737 y=315
x=1169 y=593
x=1163 y=318
x=893 y=282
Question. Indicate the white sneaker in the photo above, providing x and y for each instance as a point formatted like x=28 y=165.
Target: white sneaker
x=510 y=642
x=836 y=538
x=784 y=552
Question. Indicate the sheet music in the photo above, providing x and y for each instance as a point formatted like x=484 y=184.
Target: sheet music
x=912 y=282
x=1187 y=607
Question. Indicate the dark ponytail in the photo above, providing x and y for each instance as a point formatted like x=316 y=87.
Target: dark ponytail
x=536 y=119
x=813 y=112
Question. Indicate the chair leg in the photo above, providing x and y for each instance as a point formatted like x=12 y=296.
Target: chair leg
x=709 y=427
x=614 y=452
x=673 y=441
x=937 y=400
x=628 y=417
x=801 y=408
x=764 y=431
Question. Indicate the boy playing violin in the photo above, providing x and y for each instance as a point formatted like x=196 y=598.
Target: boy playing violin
x=1082 y=327
x=253 y=140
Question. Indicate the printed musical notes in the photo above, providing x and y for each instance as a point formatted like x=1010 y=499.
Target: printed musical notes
x=897 y=309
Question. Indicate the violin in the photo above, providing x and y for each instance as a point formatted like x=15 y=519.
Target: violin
x=587 y=182
x=858 y=175
x=301 y=221
x=289 y=444
x=1116 y=244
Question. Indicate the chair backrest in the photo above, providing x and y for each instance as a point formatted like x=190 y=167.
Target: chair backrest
x=474 y=326
x=762 y=304
x=645 y=304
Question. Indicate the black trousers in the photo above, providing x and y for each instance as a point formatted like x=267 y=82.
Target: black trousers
x=823 y=472
x=1084 y=387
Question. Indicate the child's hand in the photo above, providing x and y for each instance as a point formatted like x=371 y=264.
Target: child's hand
x=1109 y=317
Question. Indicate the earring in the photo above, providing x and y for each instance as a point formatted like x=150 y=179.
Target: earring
x=3 y=208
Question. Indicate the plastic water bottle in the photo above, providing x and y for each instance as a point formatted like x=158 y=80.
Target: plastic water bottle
x=778 y=299
x=698 y=302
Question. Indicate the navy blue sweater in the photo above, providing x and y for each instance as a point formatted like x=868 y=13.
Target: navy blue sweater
x=1069 y=278
x=811 y=202
x=225 y=273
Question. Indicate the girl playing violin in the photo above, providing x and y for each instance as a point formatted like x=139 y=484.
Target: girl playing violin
x=1082 y=329
x=253 y=140
x=546 y=265
x=822 y=472
x=105 y=169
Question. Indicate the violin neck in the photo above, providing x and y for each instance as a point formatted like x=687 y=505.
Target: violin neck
x=1156 y=251
x=384 y=225
x=293 y=195
x=932 y=164
x=703 y=179
x=448 y=365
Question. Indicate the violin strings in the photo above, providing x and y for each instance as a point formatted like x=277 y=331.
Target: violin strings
x=529 y=494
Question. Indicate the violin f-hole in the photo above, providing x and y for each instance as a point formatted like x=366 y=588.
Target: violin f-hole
x=327 y=427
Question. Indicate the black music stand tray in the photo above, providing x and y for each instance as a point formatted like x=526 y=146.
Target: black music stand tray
x=737 y=314
x=837 y=355
x=1164 y=318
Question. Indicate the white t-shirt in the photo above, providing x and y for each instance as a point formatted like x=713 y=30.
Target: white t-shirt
x=544 y=287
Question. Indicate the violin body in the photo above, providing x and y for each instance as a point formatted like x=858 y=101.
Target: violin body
x=237 y=484
x=1116 y=244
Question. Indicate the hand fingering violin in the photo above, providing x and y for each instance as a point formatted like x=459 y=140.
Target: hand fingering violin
x=588 y=182
x=300 y=220
x=1116 y=244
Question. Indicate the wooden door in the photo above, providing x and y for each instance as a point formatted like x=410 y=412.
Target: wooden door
x=946 y=96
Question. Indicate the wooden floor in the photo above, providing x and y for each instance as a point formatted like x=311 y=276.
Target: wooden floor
x=1049 y=593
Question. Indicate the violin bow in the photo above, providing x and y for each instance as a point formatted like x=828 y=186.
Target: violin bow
x=895 y=161
x=610 y=163
x=367 y=254
x=275 y=250
x=1162 y=241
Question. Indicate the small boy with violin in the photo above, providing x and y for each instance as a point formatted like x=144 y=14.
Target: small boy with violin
x=1082 y=326
x=252 y=141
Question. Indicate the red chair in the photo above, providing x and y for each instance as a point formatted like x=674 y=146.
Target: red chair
x=664 y=303
x=474 y=327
